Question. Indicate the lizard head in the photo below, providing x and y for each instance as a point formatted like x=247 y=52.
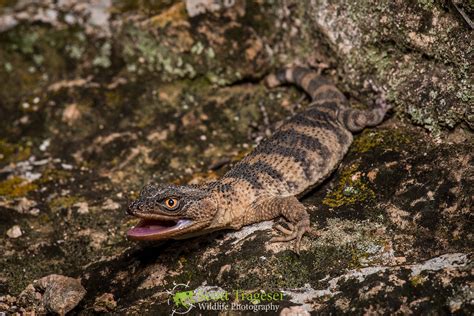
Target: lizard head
x=171 y=211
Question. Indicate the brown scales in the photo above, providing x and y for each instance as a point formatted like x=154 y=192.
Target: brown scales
x=303 y=152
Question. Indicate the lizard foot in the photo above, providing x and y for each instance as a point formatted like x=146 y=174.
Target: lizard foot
x=294 y=231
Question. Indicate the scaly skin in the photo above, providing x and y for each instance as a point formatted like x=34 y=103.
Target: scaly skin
x=303 y=152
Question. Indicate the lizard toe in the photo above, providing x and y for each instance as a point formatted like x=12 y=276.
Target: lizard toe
x=283 y=230
x=286 y=231
x=294 y=232
x=286 y=238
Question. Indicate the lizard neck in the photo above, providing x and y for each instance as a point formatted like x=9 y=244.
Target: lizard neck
x=233 y=203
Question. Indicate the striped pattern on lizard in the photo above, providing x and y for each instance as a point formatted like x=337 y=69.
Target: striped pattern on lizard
x=267 y=183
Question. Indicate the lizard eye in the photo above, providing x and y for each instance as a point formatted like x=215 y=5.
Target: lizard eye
x=171 y=203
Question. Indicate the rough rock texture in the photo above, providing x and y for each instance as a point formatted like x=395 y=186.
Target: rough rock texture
x=53 y=293
x=98 y=98
x=420 y=51
x=105 y=303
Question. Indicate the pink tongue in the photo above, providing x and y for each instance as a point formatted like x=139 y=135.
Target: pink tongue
x=147 y=228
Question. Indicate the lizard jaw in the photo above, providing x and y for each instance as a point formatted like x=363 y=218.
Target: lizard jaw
x=150 y=229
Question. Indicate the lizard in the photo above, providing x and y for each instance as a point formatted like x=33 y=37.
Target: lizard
x=267 y=183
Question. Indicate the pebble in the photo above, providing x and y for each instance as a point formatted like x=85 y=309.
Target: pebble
x=45 y=144
x=111 y=205
x=83 y=207
x=66 y=166
x=24 y=205
x=294 y=311
x=54 y=293
x=14 y=232
x=71 y=114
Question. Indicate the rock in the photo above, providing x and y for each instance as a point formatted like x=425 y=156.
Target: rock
x=105 y=303
x=294 y=311
x=30 y=300
x=110 y=205
x=6 y=301
x=54 y=293
x=166 y=96
x=82 y=207
x=197 y=7
x=24 y=205
x=71 y=114
x=14 y=232
x=423 y=67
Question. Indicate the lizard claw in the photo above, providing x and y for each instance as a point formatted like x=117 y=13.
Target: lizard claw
x=294 y=232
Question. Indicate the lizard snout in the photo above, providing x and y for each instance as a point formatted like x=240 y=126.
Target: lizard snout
x=134 y=207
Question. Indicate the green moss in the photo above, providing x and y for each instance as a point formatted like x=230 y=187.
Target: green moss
x=351 y=189
x=6 y=150
x=250 y=279
x=13 y=152
x=426 y=4
x=63 y=202
x=295 y=271
x=16 y=187
x=417 y=280
x=357 y=258
x=55 y=175
x=370 y=139
x=186 y=268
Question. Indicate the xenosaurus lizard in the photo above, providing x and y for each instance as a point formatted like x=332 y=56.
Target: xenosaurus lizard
x=266 y=184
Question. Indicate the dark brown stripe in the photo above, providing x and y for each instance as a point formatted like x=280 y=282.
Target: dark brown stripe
x=264 y=167
x=329 y=94
x=281 y=76
x=316 y=114
x=330 y=105
x=299 y=73
x=269 y=147
x=315 y=84
x=346 y=119
x=245 y=172
x=293 y=138
x=322 y=121
x=250 y=172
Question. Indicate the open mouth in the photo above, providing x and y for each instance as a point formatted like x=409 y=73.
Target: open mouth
x=151 y=229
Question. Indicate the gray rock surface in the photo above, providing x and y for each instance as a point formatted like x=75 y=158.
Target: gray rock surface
x=100 y=97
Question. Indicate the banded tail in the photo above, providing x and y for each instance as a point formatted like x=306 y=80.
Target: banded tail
x=311 y=82
x=325 y=95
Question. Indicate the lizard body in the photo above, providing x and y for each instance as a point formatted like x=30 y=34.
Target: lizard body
x=303 y=152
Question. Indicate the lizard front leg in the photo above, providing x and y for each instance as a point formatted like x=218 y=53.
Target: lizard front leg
x=298 y=222
x=294 y=212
